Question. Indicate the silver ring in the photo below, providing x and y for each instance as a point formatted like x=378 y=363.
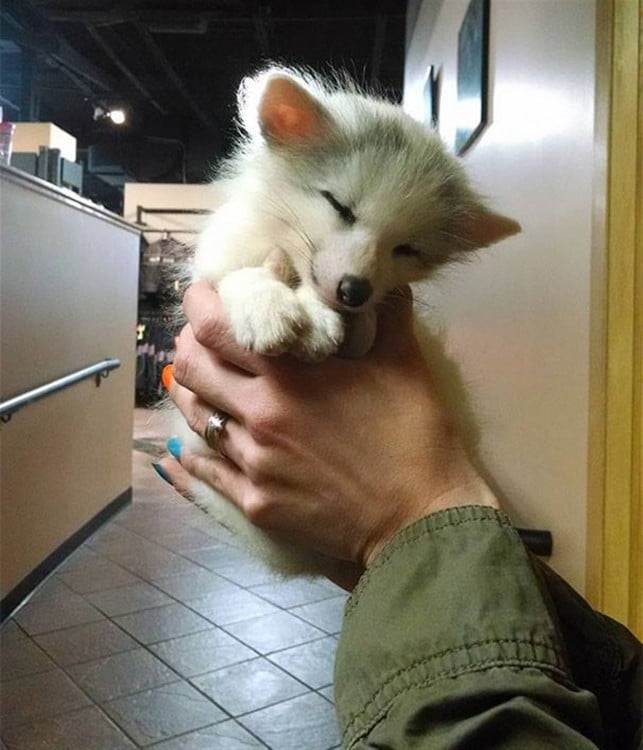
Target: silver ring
x=214 y=428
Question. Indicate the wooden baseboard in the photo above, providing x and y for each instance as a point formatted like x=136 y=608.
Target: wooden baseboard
x=27 y=586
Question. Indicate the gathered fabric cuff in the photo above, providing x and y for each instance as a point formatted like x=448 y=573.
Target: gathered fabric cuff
x=452 y=593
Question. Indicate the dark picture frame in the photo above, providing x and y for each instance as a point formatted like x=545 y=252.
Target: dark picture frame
x=432 y=97
x=473 y=75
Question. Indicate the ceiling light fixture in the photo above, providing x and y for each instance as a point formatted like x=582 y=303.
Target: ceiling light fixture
x=117 y=115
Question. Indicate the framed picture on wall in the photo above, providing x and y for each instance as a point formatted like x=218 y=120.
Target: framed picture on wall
x=473 y=73
x=432 y=97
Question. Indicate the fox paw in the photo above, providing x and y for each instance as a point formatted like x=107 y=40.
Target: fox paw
x=264 y=314
x=325 y=331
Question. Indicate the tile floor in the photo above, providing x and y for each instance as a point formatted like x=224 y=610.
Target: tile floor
x=159 y=633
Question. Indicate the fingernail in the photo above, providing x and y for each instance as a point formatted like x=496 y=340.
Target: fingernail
x=162 y=473
x=167 y=376
x=174 y=447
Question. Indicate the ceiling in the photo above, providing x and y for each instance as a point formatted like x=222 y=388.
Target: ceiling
x=174 y=66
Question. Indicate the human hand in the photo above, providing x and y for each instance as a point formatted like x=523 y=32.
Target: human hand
x=338 y=456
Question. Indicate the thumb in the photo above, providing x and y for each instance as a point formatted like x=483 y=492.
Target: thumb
x=395 y=321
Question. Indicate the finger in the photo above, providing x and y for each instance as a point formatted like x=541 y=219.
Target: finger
x=202 y=307
x=234 y=441
x=218 y=473
x=202 y=371
x=178 y=476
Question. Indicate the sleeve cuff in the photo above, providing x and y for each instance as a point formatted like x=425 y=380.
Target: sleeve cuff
x=450 y=594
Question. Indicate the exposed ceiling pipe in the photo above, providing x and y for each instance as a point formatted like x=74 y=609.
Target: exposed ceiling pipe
x=181 y=21
x=177 y=26
x=37 y=34
x=89 y=92
x=68 y=57
x=109 y=51
x=9 y=103
x=159 y=57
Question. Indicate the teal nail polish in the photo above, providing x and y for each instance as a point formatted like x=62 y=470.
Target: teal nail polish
x=162 y=473
x=174 y=447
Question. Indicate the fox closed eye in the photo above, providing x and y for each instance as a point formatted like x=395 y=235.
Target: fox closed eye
x=406 y=250
x=344 y=211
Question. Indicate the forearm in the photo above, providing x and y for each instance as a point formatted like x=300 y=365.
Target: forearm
x=448 y=637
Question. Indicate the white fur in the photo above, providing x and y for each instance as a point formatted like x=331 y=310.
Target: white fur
x=403 y=188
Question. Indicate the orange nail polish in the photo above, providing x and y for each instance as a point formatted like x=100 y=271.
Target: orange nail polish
x=167 y=376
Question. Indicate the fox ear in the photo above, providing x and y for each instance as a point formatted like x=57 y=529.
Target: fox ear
x=288 y=114
x=483 y=228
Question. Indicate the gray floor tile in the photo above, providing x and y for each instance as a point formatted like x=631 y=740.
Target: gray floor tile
x=228 y=735
x=23 y=658
x=51 y=588
x=292 y=593
x=247 y=574
x=113 y=540
x=311 y=663
x=126 y=599
x=163 y=713
x=39 y=696
x=232 y=563
x=332 y=587
x=97 y=575
x=328 y=693
x=86 y=729
x=78 y=559
x=233 y=606
x=158 y=552
x=153 y=525
x=248 y=686
x=194 y=585
x=218 y=556
x=152 y=564
x=85 y=642
x=274 y=632
x=147 y=522
x=203 y=652
x=304 y=722
x=205 y=523
x=10 y=633
x=63 y=611
x=162 y=623
x=327 y=614
x=121 y=674
x=184 y=539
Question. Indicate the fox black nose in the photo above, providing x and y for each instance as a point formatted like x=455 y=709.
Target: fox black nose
x=353 y=291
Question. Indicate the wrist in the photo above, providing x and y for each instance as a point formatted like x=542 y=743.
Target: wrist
x=475 y=492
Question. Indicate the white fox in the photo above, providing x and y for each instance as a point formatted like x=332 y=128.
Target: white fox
x=335 y=199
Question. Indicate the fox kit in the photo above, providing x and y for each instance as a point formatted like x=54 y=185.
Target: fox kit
x=335 y=199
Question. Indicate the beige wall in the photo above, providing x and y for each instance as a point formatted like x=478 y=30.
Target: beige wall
x=518 y=318
x=68 y=299
x=160 y=195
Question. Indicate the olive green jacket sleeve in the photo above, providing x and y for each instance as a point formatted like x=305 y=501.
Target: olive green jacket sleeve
x=453 y=639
